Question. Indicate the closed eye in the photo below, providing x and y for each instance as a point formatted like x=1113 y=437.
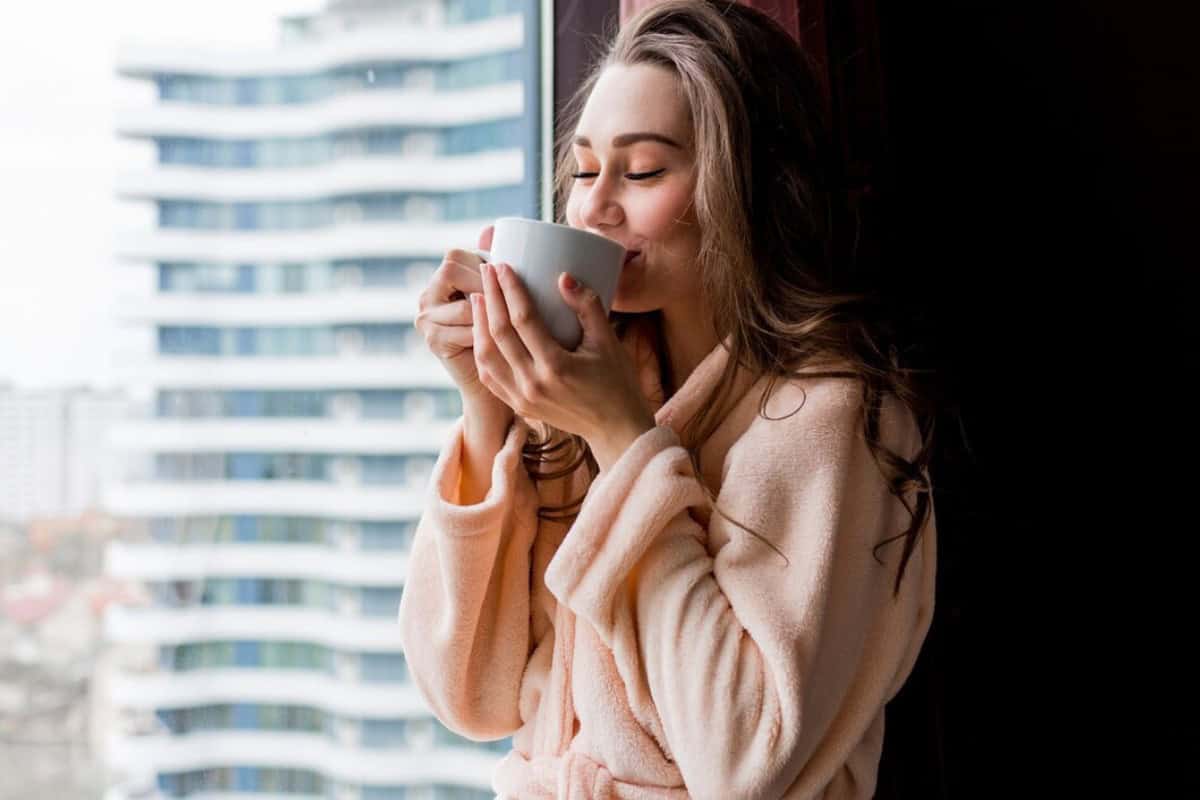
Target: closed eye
x=633 y=176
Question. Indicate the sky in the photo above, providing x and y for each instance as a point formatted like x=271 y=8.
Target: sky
x=59 y=159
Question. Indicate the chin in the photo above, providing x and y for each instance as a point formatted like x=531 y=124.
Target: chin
x=634 y=306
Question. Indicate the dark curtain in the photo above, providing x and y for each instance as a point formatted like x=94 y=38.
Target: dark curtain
x=1019 y=179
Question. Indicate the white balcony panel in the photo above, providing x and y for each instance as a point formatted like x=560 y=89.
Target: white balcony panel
x=360 y=372
x=351 y=176
x=270 y=435
x=453 y=765
x=240 y=795
x=155 y=690
x=359 y=240
x=377 y=108
x=334 y=307
x=389 y=42
x=264 y=623
x=294 y=498
x=161 y=562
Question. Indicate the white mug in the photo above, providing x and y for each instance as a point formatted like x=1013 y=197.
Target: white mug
x=539 y=251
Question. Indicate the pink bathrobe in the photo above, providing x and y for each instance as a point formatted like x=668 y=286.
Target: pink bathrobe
x=654 y=649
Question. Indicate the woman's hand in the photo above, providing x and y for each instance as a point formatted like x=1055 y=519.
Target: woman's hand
x=592 y=391
x=445 y=321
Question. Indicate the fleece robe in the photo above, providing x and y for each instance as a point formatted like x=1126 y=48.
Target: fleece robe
x=653 y=648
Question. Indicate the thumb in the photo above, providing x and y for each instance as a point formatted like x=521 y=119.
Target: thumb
x=586 y=304
x=485 y=238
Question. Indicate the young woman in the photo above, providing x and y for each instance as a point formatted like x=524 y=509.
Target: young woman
x=694 y=556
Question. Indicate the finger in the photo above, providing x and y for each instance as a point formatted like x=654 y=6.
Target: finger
x=525 y=319
x=457 y=277
x=485 y=237
x=500 y=326
x=490 y=365
x=455 y=313
x=587 y=307
x=450 y=340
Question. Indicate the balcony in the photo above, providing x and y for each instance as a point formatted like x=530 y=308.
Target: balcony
x=377 y=108
x=392 y=43
x=283 y=435
x=458 y=765
x=409 y=239
x=284 y=498
x=334 y=307
x=160 y=562
x=308 y=372
x=351 y=176
x=154 y=690
x=264 y=623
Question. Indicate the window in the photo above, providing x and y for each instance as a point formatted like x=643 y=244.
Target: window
x=384 y=338
x=380 y=601
x=247 y=91
x=246 y=654
x=483 y=136
x=444 y=792
x=382 y=272
x=245 y=529
x=384 y=793
x=249 y=654
x=245 y=216
x=387 y=535
x=384 y=469
x=382 y=667
x=245 y=278
x=174 y=340
x=383 y=732
x=471 y=10
x=293 y=278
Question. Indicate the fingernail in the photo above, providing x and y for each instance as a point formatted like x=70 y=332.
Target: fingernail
x=570 y=283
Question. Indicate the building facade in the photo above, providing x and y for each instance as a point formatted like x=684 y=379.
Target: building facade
x=304 y=196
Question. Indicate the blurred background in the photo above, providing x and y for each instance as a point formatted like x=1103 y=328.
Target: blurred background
x=216 y=417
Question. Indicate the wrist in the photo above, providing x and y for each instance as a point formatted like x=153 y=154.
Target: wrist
x=486 y=409
x=610 y=446
x=482 y=399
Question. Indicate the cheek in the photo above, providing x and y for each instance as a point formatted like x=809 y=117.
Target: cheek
x=661 y=212
x=572 y=210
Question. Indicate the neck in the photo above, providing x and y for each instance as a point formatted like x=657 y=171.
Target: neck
x=689 y=337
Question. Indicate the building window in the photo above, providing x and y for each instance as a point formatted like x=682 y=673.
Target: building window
x=382 y=668
x=386 y=535
x=383 y=732
x=380 y=601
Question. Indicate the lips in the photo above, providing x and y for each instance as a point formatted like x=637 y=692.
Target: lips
x=631 y=255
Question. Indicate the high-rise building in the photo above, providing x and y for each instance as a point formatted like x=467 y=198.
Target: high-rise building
x=304 y=197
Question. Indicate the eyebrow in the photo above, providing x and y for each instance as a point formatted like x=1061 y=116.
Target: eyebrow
x=626 y=139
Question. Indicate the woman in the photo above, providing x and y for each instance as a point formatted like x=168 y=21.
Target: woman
x=695 y=556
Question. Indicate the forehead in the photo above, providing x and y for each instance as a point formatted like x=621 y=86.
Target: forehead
x=642 y=97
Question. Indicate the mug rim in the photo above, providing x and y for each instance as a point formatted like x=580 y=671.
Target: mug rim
x=565 y=227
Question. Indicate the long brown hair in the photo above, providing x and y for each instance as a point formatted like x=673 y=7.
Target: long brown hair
x=764 y=201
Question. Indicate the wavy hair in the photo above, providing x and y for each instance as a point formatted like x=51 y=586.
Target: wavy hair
x=764 y=200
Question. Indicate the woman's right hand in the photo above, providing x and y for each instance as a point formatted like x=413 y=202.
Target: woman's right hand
x=444 y=318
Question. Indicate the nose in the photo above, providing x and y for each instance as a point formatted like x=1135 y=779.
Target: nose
x=600 y=208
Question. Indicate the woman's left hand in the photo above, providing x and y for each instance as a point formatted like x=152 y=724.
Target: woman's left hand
x=592 y=391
